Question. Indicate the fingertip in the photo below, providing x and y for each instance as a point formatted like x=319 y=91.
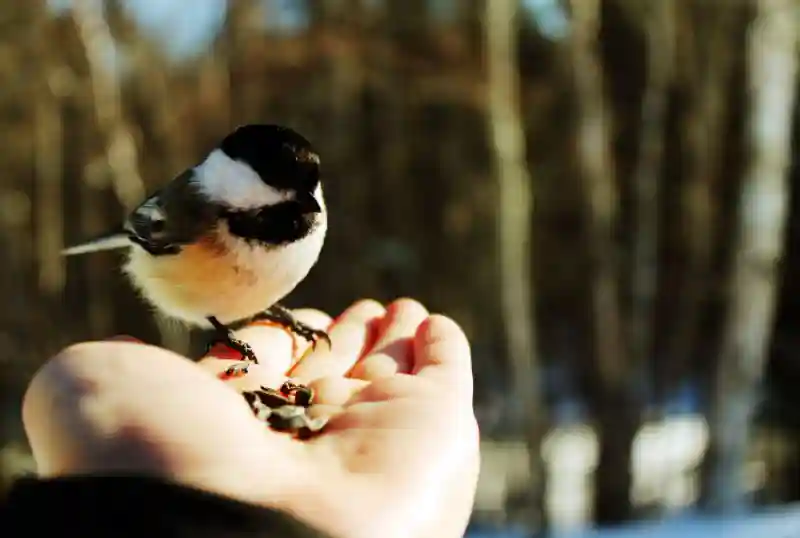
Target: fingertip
x=367 y=304
x=335 y=390
x=406 y=305
x=394 y=341
x=124 y=338
x=440 y=342
x=362 y=311
x=313 y=317
x=367 y=314
x=352 y=335
x=402 y=309
x=438 y=327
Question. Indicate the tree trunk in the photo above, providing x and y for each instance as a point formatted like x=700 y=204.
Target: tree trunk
x=507 y=139
x=772 y=80
x=48 y=143
x=616 y=411
x=706 y=63
x=659 y=29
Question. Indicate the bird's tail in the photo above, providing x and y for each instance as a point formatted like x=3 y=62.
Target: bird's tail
x=108 y=241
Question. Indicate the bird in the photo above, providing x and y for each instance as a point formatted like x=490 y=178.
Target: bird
x=226 y=240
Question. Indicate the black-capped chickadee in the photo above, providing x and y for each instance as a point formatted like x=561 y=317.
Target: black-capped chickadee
x=226 y=240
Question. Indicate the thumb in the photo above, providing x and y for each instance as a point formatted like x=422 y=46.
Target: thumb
x=105 y=407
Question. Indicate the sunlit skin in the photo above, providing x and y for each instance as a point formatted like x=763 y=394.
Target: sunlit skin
x=398 y=459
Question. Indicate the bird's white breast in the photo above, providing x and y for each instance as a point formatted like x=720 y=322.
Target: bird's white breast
x=223 y=275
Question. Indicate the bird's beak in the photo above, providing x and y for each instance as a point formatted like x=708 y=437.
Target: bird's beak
x=308 y=204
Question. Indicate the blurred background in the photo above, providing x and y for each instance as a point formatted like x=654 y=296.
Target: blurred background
x=604 y=193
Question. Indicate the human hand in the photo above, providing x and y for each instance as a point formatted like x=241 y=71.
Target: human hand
x=398 y=458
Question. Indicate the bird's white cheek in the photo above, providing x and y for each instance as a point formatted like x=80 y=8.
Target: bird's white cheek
x=235 y=183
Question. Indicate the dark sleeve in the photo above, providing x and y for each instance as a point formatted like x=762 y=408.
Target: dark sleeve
x=122 y=507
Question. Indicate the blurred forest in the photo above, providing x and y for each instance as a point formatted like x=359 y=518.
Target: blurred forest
x=602 y=192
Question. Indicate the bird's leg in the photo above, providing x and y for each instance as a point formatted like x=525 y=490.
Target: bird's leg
x=283 y=316
x=224 y=335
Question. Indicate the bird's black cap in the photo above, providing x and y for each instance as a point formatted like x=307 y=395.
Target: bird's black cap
x=282 y=157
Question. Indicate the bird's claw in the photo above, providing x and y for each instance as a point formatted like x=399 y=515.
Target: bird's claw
x=312 y=335
x=225 y=337
x=242 y=347
x=284 y=317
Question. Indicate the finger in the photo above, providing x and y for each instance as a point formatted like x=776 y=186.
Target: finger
x=336 y=391
x=252 y=377
x=352 y=334
x=392 y=352
x=84 y=412
x=274 y=346
x=316 y=319
x=125 y=338
x=442 y=353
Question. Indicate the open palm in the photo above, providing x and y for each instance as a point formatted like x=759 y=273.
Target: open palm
x=398 y=458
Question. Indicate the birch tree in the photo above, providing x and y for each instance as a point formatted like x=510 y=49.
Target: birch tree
x=507 y=139
x=772 y=65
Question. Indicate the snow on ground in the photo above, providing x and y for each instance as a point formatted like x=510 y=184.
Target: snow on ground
x=781 y=522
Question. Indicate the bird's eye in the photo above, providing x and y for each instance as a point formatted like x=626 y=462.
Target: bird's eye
x=157 y=226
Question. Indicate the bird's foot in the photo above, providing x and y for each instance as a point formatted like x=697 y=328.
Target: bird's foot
x=282 y=316
x=224 y=336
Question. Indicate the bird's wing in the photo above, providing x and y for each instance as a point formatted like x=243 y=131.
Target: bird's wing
x=175 y=216
x=168 y=219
